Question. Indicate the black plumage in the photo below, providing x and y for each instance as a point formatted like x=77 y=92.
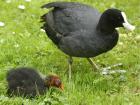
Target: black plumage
x=28 y=82
x=80 y=30
x=72 y=27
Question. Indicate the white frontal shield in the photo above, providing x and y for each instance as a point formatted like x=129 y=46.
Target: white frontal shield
x=126 y=24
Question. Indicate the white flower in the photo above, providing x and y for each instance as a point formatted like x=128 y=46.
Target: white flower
x=2 y=24
x=8 y=1
x=16 y=45
x=2 y=41
x=13 y=32
x=21 y=7
x=28 y=0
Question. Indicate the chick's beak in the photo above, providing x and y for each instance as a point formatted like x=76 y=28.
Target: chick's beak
x=61 y=87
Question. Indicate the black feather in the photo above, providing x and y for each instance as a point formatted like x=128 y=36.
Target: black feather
x=25 y=82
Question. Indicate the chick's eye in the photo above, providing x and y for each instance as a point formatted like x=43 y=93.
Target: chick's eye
x=58 y=82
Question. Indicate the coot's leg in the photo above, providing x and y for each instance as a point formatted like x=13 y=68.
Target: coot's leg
x=106 y=70
x=94 y=66
x=70 y=60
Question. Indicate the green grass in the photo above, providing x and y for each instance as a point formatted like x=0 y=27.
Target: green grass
x=23 y=44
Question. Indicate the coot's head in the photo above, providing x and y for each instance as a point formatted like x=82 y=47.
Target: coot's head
x=53 y=81
x=113 y=18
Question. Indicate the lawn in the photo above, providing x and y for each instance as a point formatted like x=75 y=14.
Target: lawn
x=22 y=43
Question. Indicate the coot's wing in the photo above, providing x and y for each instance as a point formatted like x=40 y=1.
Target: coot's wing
x=81 y=43
x=68 y=17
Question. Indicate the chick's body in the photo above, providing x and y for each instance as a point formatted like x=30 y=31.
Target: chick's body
x=26 y=82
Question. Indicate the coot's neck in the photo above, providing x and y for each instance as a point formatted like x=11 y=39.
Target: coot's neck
x=104 y=26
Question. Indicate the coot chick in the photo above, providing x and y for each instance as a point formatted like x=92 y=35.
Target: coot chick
x=81 y=31
x=28 y=82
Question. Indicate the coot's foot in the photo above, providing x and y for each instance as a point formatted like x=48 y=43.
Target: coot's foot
x=108 y=70
x=112 y=66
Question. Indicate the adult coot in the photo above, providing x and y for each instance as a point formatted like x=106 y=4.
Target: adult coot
x=29 y=83
x=81 y=31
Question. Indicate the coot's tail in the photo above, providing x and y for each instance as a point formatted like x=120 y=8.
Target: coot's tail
x=49 y=27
